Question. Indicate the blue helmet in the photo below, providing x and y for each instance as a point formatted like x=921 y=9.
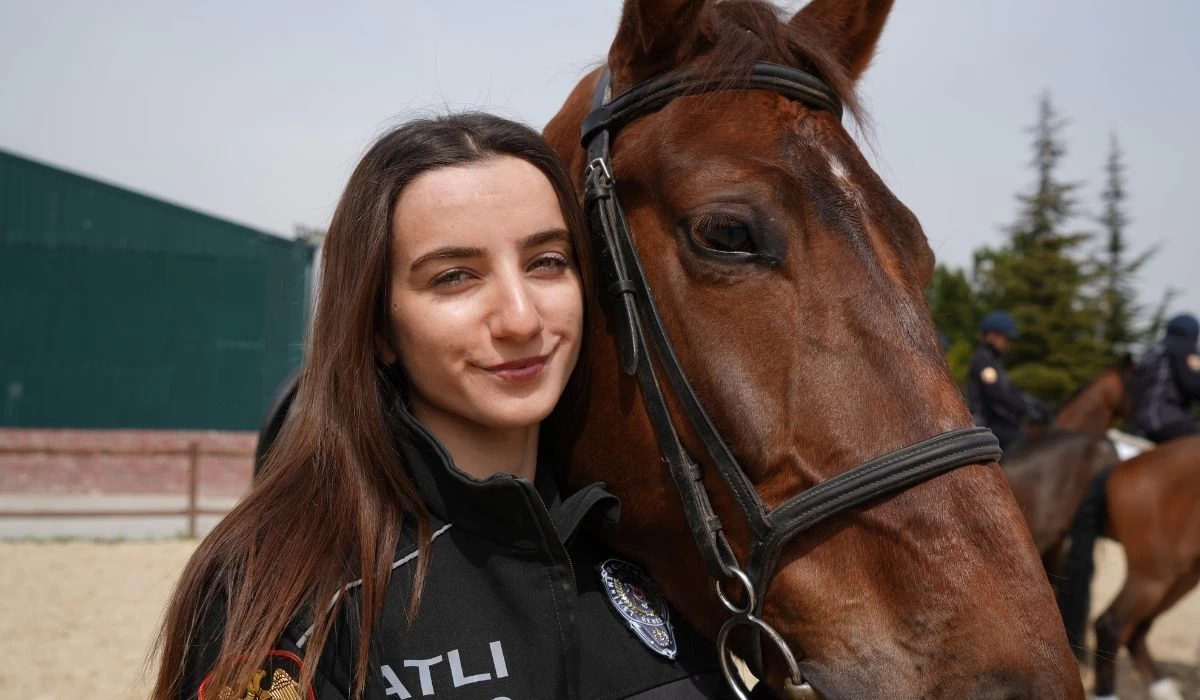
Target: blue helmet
x=999 y=322
x=1184 y=326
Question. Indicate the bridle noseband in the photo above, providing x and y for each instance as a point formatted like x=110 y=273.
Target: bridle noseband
x=635 y=316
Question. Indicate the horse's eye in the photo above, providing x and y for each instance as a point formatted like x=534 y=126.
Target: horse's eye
x=722 y=234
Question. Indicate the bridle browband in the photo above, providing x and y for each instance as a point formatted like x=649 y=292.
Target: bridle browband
x=635 y=316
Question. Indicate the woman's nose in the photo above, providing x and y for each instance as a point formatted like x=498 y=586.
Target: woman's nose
x=515 y=315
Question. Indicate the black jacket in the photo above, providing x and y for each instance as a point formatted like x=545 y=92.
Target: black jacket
x=508 y=611
x=1168 y=380
x=995 y=402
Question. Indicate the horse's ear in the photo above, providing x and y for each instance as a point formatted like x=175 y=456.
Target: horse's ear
x=654 y=37
x=853 y=28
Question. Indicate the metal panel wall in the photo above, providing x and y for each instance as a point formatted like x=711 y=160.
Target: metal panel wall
x=122 y=311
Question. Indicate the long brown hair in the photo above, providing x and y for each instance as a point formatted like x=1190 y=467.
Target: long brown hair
x=333 y=496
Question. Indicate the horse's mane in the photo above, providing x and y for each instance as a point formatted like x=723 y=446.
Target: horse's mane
x=1080 y=389
x=740 y=32
x=1085 y=385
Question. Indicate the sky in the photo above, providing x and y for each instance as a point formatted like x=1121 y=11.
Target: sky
x=257 y=111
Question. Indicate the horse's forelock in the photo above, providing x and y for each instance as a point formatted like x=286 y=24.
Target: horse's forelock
x=741 y=32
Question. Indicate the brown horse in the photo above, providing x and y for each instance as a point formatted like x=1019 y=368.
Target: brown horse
x=791 y=283
x=1049 y=474
x=1148 y=504
x=1067 y=488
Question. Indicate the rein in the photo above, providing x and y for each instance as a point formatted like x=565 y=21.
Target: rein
x=636 y=317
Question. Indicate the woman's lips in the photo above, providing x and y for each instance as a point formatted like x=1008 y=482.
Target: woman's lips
x=523 y=370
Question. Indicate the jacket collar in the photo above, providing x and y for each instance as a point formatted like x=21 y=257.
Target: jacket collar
x=502 y=507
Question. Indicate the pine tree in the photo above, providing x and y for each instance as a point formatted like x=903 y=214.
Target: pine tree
x=1036 y=277
x=953 y=304
x=1051 y=203
x=1117 y=296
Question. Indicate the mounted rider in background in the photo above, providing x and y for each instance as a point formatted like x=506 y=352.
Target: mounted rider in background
x=1168 y=382
x=995 y=402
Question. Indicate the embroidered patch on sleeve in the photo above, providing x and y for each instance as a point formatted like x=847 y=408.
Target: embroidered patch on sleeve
x=989 y=375
x=278 y=679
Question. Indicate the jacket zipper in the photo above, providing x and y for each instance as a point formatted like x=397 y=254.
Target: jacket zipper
x=530 y=488
x=572 y=677
x=550 y=521
x=548 y=524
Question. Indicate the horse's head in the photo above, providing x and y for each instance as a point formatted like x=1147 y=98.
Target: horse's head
x=791 y=282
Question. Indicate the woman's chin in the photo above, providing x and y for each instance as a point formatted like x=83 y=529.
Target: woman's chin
x=514 y=414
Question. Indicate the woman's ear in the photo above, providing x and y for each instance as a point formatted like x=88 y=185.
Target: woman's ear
x=384 y=350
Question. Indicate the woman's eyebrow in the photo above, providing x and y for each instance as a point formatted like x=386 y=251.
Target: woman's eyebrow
x=447 y=253
x=553 y=235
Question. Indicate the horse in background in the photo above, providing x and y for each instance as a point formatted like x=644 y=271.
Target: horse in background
x=1073 y=488
x=1050 y=473
x=791 y=282
x=1149 y=505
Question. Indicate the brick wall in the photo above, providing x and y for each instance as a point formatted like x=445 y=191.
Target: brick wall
x=37 y=469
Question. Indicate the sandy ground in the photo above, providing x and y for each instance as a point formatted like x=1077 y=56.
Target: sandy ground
x=77 y=618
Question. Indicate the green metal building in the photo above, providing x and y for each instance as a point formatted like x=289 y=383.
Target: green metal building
x=118 y=310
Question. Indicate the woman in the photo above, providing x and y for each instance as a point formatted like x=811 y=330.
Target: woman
x=407 y=536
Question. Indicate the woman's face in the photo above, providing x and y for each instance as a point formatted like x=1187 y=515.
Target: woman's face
x=485 y=305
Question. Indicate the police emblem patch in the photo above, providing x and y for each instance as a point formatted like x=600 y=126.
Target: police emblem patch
x=636 y=599
x=1194 y=362
x=989 y=375
x=278 y=679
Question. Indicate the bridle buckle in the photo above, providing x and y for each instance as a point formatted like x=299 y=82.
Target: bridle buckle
x=598 y=173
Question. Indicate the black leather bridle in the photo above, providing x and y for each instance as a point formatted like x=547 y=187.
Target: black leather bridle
x=635 y=316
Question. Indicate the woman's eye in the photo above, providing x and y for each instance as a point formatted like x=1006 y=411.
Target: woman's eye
x=553 y=261
x=722 y=234
x=451 y=278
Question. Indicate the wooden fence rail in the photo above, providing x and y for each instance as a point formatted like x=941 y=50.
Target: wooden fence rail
x=192 y=452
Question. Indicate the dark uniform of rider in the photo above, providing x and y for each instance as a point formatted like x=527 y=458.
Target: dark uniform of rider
x=1168 y=381
x=519 y=602
x=994 y=401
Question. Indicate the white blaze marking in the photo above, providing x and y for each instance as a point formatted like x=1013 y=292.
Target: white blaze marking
x=839 y=171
